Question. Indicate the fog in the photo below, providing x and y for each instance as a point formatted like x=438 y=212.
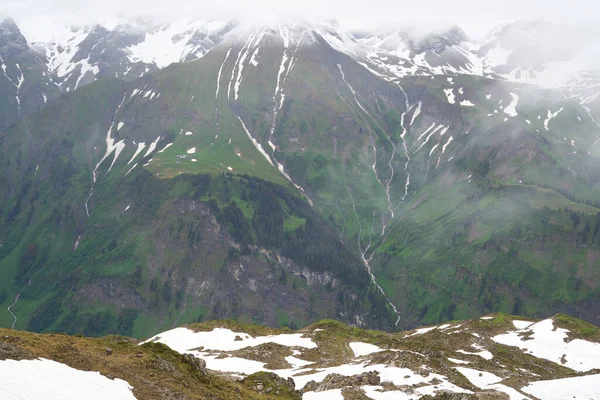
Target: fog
x=475 y=17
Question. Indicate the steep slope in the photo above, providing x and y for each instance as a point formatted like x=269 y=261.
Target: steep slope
x=444 y=184
x=145 y=226
x=488 y=166
x=494 y=357
x=25 y=84
x=37 y=72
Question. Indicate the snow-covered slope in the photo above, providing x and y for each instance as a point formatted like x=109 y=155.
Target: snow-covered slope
x=538 y=52
x=80 y=55
x=51 y=380
x=453 y=358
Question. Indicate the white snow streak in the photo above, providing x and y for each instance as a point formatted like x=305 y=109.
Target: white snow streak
x=18 y=85
x=450 y=139
x=110 y=147
x=433 y=148
x=152 y=147
x=550 y=116
x=166 y=147
x=511 y=109
x=131 y=169
x=137 y=152
x=416 y=114
x=255 y=143
x=220 y=73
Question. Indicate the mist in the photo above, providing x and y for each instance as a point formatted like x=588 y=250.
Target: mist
x=476 y=18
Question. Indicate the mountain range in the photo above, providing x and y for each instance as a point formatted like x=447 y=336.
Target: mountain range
x=286 y=171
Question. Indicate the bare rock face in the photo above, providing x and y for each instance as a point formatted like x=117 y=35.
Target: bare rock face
x=10 y=351
x=268 y=383
x=336 y=381
x=197 y=363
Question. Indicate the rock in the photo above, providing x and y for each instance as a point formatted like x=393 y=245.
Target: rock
x=164 y=365
x=336 y=381
x=108 y=351
x=270 y=383
x=13 y=352
x=197 y=363
x=450 y=396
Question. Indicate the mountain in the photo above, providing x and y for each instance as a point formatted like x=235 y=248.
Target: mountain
x=494 y=357
x=76 y=56
x=82 y=55
x=25 y=83
x=293 y=173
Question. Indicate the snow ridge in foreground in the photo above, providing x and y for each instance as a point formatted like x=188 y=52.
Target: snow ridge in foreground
x=50 y=380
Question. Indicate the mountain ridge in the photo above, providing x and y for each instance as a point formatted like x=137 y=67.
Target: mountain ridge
x=498 y=356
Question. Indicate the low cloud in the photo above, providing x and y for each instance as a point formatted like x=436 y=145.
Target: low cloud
x=475 y=17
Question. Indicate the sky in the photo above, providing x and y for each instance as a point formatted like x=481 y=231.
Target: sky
x=475 y=17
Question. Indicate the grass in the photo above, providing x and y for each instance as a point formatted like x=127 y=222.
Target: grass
x=577 y=328
x=154 y=370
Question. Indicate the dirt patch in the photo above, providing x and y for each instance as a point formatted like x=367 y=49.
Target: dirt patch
x=420 y=200
x=592 y=257
x=475 y=233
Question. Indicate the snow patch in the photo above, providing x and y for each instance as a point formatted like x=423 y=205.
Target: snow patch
x=578 y=388
x=550 y=116
x=511 y=110
x=183 y=340
x=140 y=147
x=457 y=361
x=548 y=342
x=481 y=379
x=152 y=147
x=166 y=147
x=362 y=349
x=50 y=380
x=521 y=324
x=449 y=95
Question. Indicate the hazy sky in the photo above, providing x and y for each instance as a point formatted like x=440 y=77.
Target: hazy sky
x=476 y=17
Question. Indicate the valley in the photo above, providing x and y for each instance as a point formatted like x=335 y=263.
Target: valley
x=282 y=172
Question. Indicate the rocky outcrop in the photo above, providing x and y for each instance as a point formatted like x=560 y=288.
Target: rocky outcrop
x=197 y=364
x=10 y=351
x=268 y=383
x=336 y=381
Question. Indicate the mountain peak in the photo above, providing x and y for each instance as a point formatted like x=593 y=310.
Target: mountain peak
x=9 y=24
x=11 y=36
x=437 y=41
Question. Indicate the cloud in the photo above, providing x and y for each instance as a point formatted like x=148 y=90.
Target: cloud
x=476 y=17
